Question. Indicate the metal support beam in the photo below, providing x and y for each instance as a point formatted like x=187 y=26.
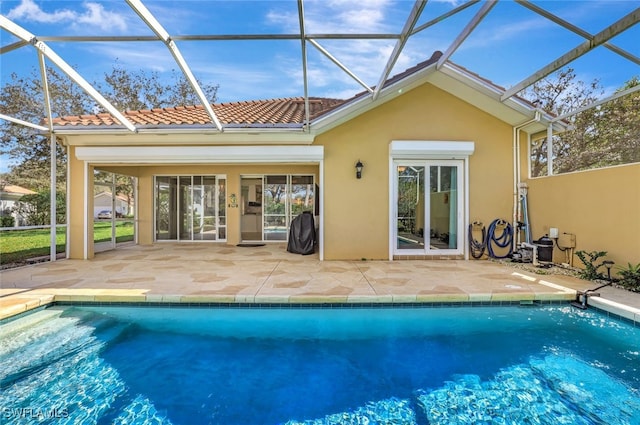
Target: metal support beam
x=577 y=30
x=418 y=6
x=444 y=16
x=603 y=36
x=155 y=26
x=53 y=169
x=340 y=65
x=13 y=46
x=468 y=29
x=215 y=37
x=25 y=35
x=598 y=103
x=550 y=150
x=303 y=46
x=21 y=122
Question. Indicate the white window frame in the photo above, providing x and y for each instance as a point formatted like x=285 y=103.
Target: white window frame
x=426 y=151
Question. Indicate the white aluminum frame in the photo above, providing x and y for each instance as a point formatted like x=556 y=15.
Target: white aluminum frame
x=409 y=29
x=430 y=150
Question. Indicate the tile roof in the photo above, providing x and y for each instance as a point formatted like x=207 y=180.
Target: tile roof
x=262 y=112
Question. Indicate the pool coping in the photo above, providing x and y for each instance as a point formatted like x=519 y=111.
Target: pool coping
x=41 y=298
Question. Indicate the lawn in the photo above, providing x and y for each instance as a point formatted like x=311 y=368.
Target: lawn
x=16 y=246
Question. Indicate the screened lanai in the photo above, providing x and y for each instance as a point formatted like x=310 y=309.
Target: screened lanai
x=314 y=49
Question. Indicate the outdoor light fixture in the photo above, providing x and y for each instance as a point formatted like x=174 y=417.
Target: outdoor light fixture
x=359 y=166
x=608 y=264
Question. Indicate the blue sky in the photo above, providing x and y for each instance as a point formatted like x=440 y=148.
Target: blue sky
x=511 y=43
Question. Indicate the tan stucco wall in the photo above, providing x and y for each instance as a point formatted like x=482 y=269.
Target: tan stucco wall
x=76 y=213
x=601 y=207
x=357 y=211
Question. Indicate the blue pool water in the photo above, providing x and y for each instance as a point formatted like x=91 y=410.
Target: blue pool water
x=498 y=365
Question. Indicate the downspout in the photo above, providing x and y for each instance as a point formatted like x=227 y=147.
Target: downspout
x=516 y=174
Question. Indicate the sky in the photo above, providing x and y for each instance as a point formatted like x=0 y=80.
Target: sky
x=510 y=44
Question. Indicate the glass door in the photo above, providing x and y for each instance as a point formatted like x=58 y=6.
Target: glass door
x=190 y=208
x=270 y=202
x=113 y=203
x=429 y=207
x=276 y=223
x=209 y=221
x=410 y=207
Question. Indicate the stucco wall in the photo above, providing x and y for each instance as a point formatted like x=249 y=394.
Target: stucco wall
x=76 y=214
x=357 y=211
x=601 y=207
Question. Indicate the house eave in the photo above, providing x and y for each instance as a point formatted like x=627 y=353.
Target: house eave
x=365 y=102
x=487 y=97
x=455 y=81
x=178 y=135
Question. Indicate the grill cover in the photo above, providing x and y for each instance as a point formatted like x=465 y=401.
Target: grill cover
x=302 y=234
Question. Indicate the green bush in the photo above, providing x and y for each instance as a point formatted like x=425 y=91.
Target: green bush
x=589 y=259
x=630 y=277
x=7 y=221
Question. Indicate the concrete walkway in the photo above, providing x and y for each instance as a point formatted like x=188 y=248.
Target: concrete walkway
x=208 y=273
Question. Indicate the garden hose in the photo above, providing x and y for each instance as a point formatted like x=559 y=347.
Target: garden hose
x=476 y=248
x=500 y=234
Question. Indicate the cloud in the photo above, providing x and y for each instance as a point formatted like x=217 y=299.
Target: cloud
x=103 y=19
x=365 y=58
x=94 y=14
x=152 y=56
x=29 y=11
x=335 y=16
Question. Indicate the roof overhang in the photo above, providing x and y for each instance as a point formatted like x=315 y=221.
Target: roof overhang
x=458 y=82
x=172 y=135
x=366 y=102
x=487 y=97
x=141 y=155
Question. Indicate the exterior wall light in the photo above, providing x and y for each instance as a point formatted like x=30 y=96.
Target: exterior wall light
x=359 y=166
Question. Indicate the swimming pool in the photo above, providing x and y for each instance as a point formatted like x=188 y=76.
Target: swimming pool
x=493 y=365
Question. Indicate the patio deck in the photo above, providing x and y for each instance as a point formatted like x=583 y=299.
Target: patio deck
x=208 y=273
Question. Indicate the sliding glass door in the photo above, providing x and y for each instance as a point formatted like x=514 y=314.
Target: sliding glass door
x=190 y=208
x=276 y=205
x=270 y=202
x=429 y=207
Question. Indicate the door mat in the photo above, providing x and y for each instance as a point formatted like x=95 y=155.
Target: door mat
x=250 y=245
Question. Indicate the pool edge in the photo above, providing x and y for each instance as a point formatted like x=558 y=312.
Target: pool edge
x=23 y=302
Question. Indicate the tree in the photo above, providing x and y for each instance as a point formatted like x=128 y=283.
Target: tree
x=601 y=136
x=36 y=208
x=23 y=98
x=619 y=126
x=135 y=90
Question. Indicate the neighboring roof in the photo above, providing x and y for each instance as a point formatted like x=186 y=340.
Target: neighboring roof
x=108 y=194
x=266 y=112
x=18 y=190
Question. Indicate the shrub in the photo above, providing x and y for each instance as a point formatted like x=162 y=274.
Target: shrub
x=630 y=277
x=589 y=259
x=6 y=219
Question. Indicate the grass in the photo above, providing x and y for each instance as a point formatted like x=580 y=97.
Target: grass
x=16 y=246
x=102 y=231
